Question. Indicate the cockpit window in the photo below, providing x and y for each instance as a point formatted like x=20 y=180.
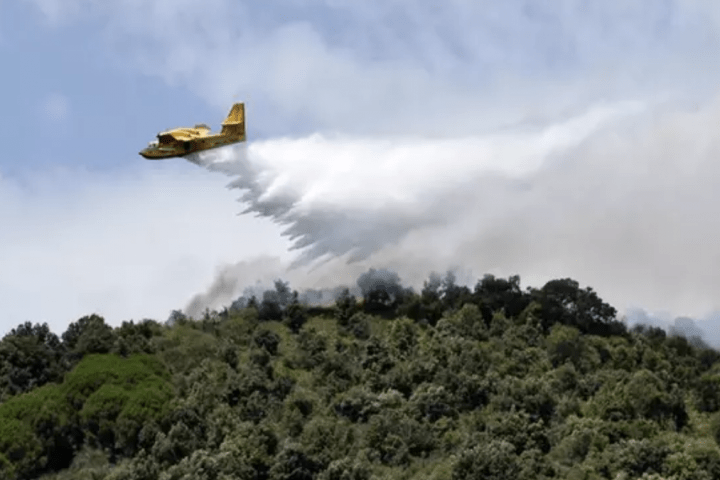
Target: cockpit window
x=154 y=143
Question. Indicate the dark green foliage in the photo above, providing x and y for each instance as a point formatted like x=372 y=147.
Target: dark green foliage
x=563 y=301
x=275 y=302
x=30 y=356
x=394 y=438
x=292 y=463
x=358 y=326
x=296 y=314
x=270 y=308
x=494 y=294
x=88 y=335
x=494 y=382
x=707 y=357
x=267 y=340
x=357 y=404
x=467 y=323
x=381 y=290
x=177 y=317
x=430 y=307
x=345 y=307
x=347 y=468
x=325 y=439
x=707 y=459
x=137 y=337
x=708 y=393
x=656 y=335
x=489 y=460
x=453 y=295
x=432 y=402
x=403 y=337
x=311 y=350
x=715 y=427
x=38 y=425
x=640 y=456
x=524 y=431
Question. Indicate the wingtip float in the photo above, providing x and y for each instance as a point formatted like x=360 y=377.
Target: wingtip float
x=179 y=142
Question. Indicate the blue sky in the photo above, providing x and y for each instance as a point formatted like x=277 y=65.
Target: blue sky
x=61 y=85
x=558 y=138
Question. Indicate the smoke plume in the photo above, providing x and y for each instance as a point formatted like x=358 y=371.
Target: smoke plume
x=622 y=198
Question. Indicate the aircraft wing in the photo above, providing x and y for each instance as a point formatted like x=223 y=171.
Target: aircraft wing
x=184 y=134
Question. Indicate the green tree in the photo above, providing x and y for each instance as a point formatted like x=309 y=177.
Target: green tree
x=465 y=323
x=137 y=337
x=565 y=344
x=295 y=314
x=494 y=294
x=358 y=326
x=267 y=340
x=394 y=438
x=90 y=334
x=30 y=356
x=708 y=393
x=381 y=291
x=431 y=306
x=347 y=468
x=452 y=295
x=431 y=402
x=565 y=302
x=489 y=460
x=291 y=463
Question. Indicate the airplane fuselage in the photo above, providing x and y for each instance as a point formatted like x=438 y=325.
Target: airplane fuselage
x=170 y=147
x=179 y=142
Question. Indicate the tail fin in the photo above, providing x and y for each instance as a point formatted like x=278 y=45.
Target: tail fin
x=234 y=124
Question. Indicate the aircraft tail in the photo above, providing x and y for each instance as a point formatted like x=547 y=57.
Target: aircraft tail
x=234 y=124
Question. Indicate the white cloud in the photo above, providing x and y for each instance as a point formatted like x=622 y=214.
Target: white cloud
x=411 y=67
x=628 y=208
x=125 y=245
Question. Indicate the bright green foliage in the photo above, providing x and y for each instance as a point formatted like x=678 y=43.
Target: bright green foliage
x=18 y=444
x=494 y=382
x=466 y=323
x=106 y=398
x=184 y=347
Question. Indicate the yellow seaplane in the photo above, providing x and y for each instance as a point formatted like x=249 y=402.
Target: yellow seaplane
x=179 y=142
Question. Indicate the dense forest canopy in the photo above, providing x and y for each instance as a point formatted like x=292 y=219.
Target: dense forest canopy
x=452 y=382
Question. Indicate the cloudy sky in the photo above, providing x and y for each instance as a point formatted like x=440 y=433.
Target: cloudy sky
x=549 y=139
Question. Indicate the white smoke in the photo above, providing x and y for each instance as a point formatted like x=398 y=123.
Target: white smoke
x=621 y=198
x=350 y=196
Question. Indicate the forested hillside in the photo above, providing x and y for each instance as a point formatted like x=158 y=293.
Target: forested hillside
x=491 y=382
